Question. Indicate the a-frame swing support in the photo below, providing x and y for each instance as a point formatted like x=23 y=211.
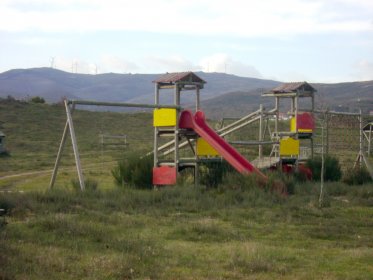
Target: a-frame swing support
x=69 y=128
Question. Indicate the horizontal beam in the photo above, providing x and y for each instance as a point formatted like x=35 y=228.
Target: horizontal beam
x=248 y=143
x=120 y=104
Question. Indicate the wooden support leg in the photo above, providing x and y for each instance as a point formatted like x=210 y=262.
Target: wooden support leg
x=75 y=147
x=59 y=154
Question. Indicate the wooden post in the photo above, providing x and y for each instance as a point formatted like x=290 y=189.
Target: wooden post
x=261 y=132
x=75 y=146
x=370 y=138
x=155 y=151
x=321 y=197
x=277 y=105
x=59 y=153
x=296 y=126
x=176 y=137
x=361 y=148
x=196 y=165
x=197 y=99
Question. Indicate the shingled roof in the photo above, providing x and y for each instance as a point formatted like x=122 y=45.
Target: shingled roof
x=183 y=77
x=293 y=87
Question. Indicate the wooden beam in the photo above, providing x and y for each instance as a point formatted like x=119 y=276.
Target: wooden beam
x=75 y=146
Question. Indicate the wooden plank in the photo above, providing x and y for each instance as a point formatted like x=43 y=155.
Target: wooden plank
x=75 y=146
x=59 y=153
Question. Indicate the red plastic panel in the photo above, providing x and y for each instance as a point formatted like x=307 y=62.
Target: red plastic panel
x=305 y=121
x=164 y=175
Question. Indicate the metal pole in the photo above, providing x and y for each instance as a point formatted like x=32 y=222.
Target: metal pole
x=59 y=153
x=75 y=146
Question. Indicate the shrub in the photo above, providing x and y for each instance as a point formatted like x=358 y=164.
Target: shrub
x=90 y=184
x=211 y=173
x=135 y=172
x=332 y=168
x=357 y=176
x=37 y=99
x=7 y=204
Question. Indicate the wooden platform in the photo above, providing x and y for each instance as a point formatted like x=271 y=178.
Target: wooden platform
x=265 y=162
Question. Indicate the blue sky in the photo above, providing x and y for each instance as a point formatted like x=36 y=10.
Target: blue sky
x=288 y=40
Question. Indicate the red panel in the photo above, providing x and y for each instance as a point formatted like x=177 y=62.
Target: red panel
x=164 y=175
x=305 y=121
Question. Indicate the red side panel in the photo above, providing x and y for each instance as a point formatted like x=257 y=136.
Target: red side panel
x=305 y=121
x=164 y=175
x=229 y=153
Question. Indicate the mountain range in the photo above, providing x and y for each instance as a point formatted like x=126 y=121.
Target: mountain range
x=223 y=95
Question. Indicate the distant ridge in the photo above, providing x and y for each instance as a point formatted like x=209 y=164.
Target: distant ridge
x=223 y=95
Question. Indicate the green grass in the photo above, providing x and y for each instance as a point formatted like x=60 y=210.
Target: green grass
x=187 y=233
x=33 y=133
x=232 y=232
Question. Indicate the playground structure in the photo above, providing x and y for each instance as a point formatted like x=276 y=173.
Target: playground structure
x=188 y=130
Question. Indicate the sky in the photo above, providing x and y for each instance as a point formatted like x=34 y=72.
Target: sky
x=288 y=40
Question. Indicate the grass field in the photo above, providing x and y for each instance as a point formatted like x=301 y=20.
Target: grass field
x=188 y=233
x=236 y=231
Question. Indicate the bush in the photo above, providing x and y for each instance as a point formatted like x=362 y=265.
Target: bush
x=135 y=172
x=211 y=174
x=90 y=184
x=357 y=176
x=37 y=99
x=332 y=168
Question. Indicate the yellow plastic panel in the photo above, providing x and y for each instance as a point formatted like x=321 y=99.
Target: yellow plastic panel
x=300 y=130
x=293 y=126
x=289 y=147
x=205 y=149
x=164 y=117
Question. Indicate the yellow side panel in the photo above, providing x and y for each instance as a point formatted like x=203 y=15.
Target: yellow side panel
x=300 y=130
x=164 y=117
x=205 y=149
x=289 y=147
x=293 y=126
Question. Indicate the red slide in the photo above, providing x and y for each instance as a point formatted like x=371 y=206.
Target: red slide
x=230 y=154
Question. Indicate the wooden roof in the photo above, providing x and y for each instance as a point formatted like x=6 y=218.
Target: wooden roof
x=298 y=88
x=180 y=77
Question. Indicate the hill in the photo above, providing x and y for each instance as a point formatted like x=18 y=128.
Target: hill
x=339 y=97
x=223 y=95
x=53 y=84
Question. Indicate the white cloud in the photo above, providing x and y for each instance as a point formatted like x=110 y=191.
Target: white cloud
x=364 y=70
x=224 y=63
x=235 y=17
x=172 y=63
x=111 y=63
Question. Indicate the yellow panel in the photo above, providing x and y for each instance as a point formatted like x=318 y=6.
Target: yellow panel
x=164 y=117
x=205 y=149
x=293 y=124
x=305 y=130
x=300 y=130
x=289 y=147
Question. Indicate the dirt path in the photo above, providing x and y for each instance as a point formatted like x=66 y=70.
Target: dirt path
x=26 y=174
